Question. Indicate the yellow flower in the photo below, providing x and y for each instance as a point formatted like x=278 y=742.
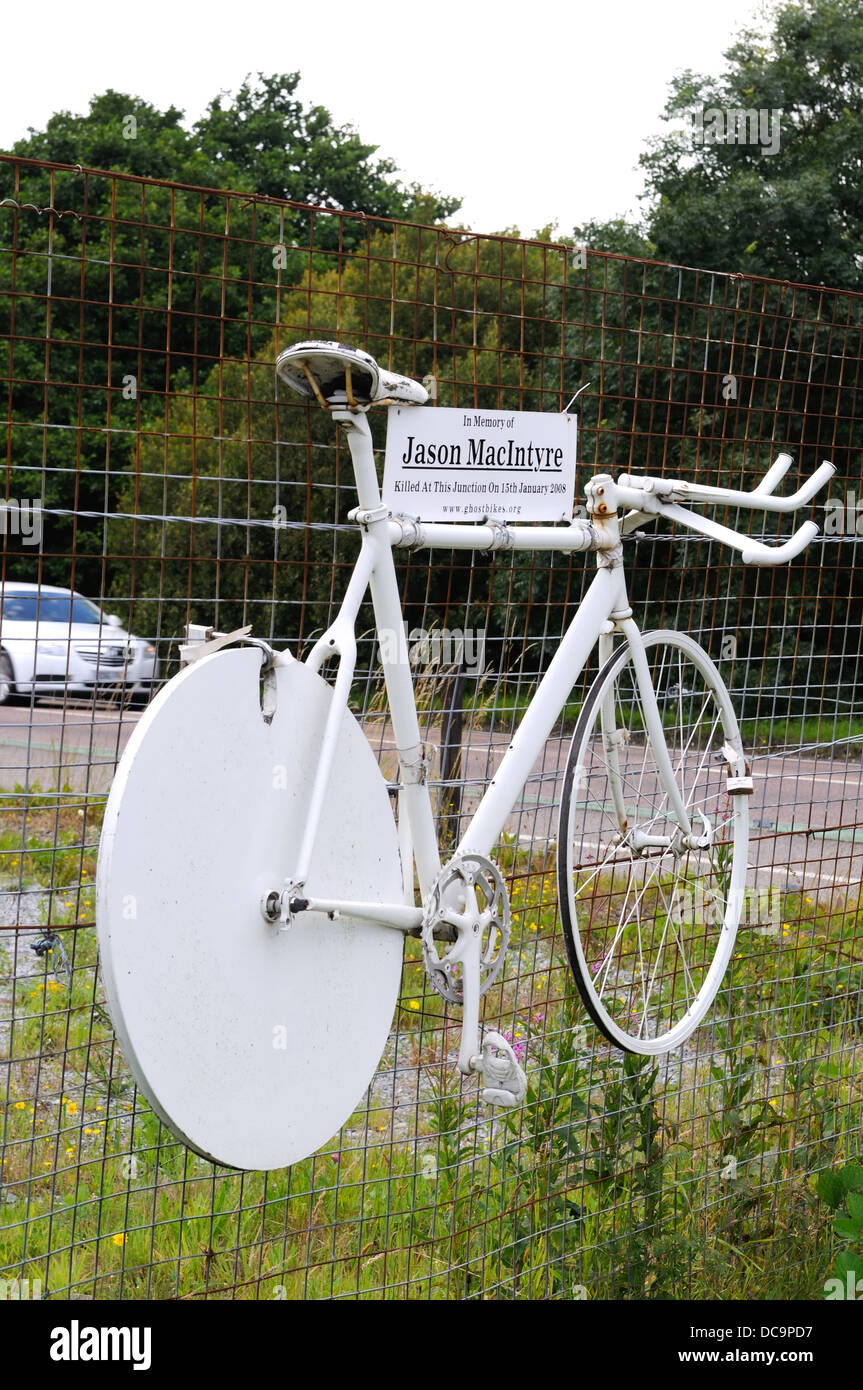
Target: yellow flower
x=71 y=1107
x=20 y=1105
x=119 y=1239
x=412 y=1004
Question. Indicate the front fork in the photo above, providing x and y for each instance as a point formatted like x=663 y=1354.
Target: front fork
x=611 y=737
x=602 y=511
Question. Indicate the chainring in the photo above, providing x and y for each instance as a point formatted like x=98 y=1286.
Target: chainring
x=469 y=895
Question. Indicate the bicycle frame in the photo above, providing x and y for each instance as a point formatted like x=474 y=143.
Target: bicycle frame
x=239 y=720
x=603 y=610
x=448 y=895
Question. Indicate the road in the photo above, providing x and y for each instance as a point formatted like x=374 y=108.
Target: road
x=806 y=814
x=78 y=744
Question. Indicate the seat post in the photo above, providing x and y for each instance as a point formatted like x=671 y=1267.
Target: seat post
x=362 y=455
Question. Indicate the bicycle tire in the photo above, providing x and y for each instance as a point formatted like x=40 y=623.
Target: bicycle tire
x=618 y=907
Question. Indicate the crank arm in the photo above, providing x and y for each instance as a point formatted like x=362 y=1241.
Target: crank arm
x=504 y=1081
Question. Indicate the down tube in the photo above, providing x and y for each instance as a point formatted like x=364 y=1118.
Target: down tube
x=605 y=595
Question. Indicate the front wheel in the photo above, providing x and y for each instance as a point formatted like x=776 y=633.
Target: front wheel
x=649 y=910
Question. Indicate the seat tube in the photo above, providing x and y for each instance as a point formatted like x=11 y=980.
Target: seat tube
x=386 y=601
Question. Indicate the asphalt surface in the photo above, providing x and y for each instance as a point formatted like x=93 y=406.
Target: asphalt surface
x=806 y=814
x=54 y=744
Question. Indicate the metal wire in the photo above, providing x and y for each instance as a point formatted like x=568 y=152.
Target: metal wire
x=139 y=323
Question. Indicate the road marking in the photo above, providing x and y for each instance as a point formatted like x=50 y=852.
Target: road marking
x=55 y=747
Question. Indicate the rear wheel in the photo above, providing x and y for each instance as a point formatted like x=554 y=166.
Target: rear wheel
x=252 y=1042
x=649 y=913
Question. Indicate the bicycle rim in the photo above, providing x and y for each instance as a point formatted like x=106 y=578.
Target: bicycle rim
x=649 y=928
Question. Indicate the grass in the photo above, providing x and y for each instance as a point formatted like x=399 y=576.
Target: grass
x=620 y=1177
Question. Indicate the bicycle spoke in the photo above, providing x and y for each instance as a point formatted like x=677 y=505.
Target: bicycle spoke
x=624 y=923
x=650 y=962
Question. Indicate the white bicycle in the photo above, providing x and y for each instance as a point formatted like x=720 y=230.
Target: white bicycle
x=254 y=885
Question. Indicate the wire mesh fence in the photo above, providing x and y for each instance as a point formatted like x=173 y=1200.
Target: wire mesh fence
x=155 y=478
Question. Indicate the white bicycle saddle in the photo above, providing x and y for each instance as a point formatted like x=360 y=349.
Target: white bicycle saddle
x=326 y=371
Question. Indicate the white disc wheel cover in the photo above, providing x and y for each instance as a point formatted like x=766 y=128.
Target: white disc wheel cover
x=253 y=1044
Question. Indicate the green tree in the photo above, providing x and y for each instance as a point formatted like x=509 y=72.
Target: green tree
x=616 y=234
x=118 y=281
x=266 y=138
x=261 y=140
x=795 y=214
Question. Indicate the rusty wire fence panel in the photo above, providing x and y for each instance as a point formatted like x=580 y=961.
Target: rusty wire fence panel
x=149 y=466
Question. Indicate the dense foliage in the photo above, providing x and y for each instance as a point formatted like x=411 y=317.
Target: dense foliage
x=188 y=294
x=795 y=212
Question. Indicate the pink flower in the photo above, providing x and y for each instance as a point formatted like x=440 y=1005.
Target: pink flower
x=518 y=1048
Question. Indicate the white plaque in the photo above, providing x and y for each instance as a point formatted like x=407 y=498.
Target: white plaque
x=463 y=464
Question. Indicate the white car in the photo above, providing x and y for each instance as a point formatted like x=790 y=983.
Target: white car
x=53 y=640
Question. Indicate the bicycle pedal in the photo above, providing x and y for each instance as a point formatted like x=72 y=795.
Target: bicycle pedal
x=499 y=1067
x=493 y=1096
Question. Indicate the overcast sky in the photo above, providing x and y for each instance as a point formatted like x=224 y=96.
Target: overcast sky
x=532 y=113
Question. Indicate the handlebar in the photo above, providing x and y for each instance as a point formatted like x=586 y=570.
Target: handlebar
x=774 y=475
x=760 y=498
x=650 y=497
x=756 y=553
x=751 y=552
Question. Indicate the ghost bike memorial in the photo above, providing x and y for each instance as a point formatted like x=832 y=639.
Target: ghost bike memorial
x=235 y=908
